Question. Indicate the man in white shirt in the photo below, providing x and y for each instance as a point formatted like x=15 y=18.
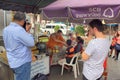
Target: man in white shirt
x=95 y=52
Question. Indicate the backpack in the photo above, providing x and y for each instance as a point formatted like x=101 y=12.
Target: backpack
x=40 y=76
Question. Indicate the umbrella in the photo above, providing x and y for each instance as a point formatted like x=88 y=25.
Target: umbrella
x=29 y=6
x=83 y=10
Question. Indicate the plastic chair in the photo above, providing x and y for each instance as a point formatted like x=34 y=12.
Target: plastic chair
x=2 y=49
x=75 y=66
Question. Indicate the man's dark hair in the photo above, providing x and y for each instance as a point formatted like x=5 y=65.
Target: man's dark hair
x=59 y=31
x=69 y=42
x=19 y=16
x=98 y=24
x=80 y=40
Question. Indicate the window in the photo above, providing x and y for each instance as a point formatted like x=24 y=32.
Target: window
x=62 y=27
x=48 y=26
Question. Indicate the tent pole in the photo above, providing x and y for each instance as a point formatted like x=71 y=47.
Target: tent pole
x=34 y=20
x=4 y=18
x=67 y=23
x=110 y=32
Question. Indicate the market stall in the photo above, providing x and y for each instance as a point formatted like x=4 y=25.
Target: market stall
x=40 y=61
x=40 y=57
x=40 y=64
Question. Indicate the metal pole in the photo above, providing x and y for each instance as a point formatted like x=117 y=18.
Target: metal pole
x=4 y=18
x=110 y=32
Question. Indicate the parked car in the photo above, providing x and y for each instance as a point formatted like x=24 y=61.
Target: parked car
x=49 y=28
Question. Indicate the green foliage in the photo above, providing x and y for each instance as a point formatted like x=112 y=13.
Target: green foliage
x=80 y=30
x=56 y=28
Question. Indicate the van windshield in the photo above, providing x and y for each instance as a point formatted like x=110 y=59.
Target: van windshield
x=53 y=26
x=62 y=27
x=48 y=26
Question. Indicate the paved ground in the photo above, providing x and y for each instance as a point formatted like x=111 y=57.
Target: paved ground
x=113 y=69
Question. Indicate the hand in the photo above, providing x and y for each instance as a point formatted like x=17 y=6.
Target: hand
x=64 y=44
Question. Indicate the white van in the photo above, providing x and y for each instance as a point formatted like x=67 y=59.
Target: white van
x=49 y=28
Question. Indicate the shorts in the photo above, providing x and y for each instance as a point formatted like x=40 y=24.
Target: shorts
x=112 y=47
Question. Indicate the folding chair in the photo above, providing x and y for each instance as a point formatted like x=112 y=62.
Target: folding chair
x=75 y=66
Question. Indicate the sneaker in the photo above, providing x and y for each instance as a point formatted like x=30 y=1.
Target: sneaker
x=109 y=55
x=113 y=57
x=116 y=59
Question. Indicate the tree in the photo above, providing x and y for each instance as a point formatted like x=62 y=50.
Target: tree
x=80 y=30
x=56 y=28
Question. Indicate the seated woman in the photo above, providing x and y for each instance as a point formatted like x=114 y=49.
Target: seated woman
x=79 y=46
x=69 y=51
x=69 y=54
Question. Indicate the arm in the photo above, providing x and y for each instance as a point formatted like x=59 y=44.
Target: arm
x=54 y=38
x=88 y=51
x=85 y=56
x=62 y=39
x=25 y=38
